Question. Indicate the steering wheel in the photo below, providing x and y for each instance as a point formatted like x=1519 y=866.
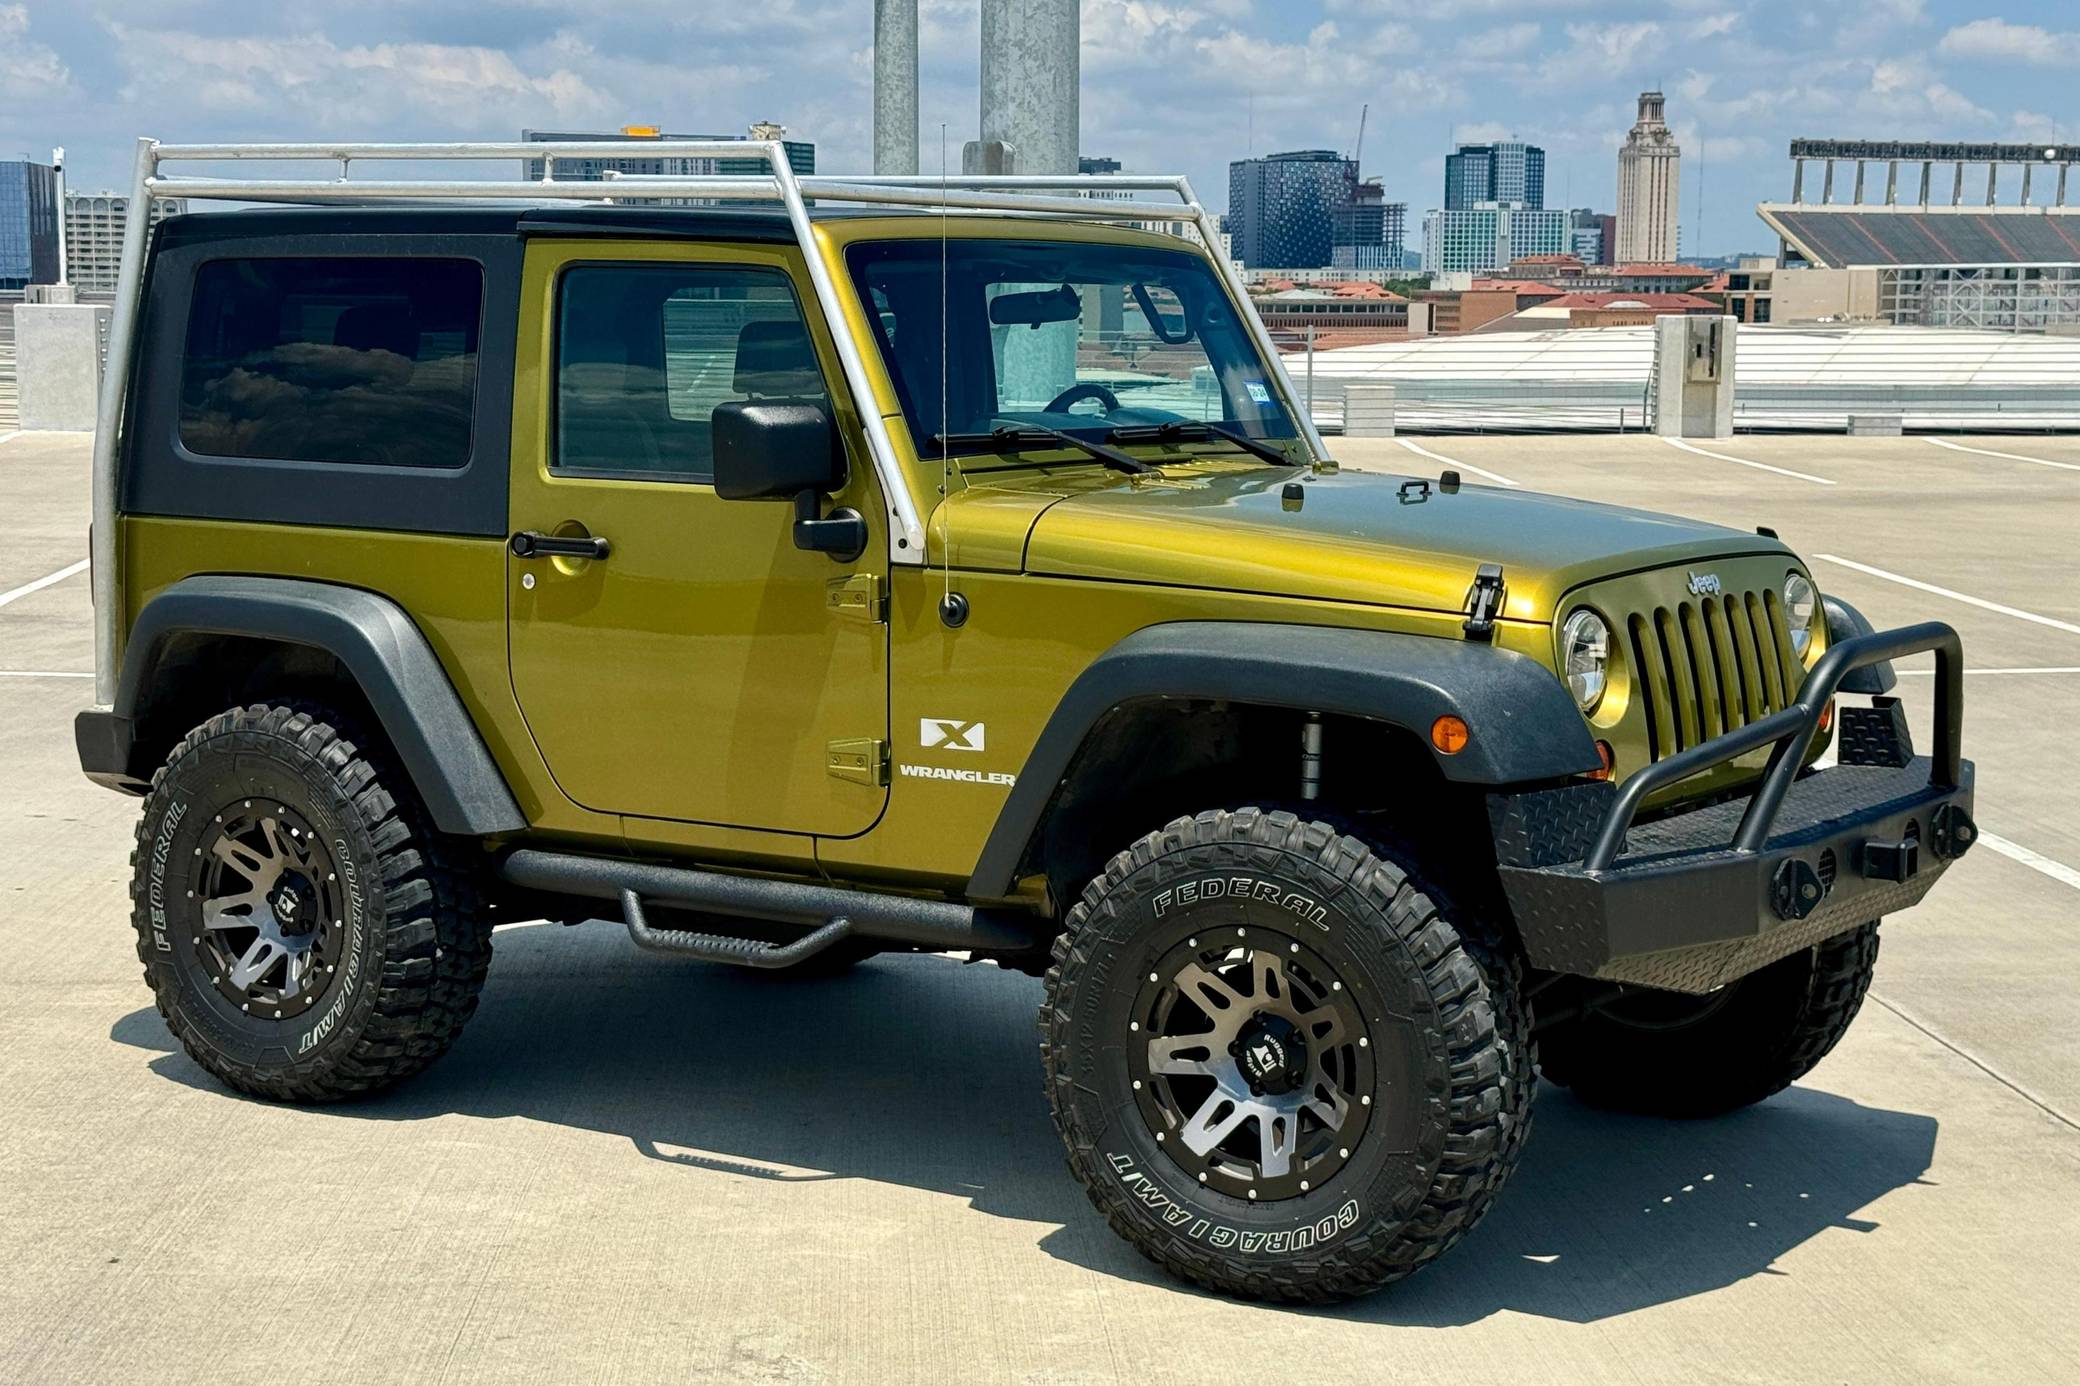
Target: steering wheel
x=1076 y=394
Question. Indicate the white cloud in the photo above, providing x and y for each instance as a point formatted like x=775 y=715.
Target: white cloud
x=1606 y=48
x=351 y=86
x=1908 y=89
x=1502 y=41
x=1998 y=40
x=27 y=68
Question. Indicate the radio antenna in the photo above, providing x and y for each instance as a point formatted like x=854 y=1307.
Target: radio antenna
x=953 y=608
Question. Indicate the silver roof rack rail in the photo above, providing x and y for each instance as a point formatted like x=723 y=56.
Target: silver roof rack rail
x=1047 y=196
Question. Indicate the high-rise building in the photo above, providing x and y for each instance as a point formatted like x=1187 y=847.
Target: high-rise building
x=94 y=236
x=1649 y=179
x=1282 y=208
x=1592 y=236
x=1504 y=171
x=1485 y=238
x=801 y=155
x=1368 y=232
x=28 y=224
x=1096 y=163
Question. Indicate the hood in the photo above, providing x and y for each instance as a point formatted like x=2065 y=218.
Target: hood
x=1350 y=537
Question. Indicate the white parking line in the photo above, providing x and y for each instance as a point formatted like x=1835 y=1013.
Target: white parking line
x=43 y=674
x=2010 y=456
x=2017 y=612
x=1758 y=466
x=2035 y=861
x=1495 y=477
x=45 y=581
x=2041 y=669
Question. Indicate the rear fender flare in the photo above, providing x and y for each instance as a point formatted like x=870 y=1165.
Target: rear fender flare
x=423 y=718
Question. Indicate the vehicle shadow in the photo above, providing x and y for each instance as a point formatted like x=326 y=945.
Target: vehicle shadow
x=919 y=1071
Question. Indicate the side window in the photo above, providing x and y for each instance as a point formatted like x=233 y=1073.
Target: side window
x=644 y=354
x=344 y=360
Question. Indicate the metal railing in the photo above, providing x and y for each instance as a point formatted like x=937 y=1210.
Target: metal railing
x=1025 y=196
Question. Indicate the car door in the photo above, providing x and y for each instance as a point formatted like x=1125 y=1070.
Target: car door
x=703 y=669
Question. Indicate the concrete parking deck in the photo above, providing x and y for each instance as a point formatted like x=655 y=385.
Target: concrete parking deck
x=640 y=1169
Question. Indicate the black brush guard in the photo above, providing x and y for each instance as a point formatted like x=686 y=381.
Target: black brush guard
x=1696 y=899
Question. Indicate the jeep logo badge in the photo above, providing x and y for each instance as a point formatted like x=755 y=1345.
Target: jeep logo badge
x=1704 y=584
x=947 y=734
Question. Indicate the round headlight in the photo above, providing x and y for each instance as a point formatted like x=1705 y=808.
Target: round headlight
x=1801 y=606
x=1585 y=653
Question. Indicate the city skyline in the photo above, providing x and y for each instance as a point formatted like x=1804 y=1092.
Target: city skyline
x=1185 y=87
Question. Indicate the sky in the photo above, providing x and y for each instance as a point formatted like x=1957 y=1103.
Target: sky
x=1168 y=85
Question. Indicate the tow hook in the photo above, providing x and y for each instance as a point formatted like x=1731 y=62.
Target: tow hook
x=1951 y=832
x=1795 y=891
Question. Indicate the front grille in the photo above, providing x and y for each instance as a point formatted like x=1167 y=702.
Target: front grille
x=1709 y=665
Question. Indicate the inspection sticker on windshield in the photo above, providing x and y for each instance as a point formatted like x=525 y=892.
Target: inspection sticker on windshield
x=1257 y=391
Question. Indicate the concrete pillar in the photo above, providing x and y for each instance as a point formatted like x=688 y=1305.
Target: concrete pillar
x=57 y=362
x=1858 y=198
x=1368 y=410
x=1993 y=183
x=1957 y=187
x=1798 y=180
x=1892 y=183
x=895 y=86
x=1827 y=187
x=2027 y=169
x=1030 y=74
x=1926 y=168
x=1693 y=376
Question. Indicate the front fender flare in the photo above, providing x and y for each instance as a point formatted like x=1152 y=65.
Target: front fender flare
x=1525 y=727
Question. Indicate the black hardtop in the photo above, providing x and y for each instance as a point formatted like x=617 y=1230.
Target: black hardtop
x=486 y=219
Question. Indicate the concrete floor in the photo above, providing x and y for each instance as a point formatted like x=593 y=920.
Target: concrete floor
x=639 y=1169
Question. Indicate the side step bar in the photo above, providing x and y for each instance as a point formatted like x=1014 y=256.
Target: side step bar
x=831 y=913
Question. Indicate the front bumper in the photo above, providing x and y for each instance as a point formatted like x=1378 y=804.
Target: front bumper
x=1697 y=899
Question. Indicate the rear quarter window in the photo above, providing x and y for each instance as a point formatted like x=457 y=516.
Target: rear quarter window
x=369 y=360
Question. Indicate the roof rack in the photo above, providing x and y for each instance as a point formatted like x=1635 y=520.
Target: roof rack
x=1045 y=197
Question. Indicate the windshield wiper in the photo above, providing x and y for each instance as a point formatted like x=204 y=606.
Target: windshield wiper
x=1034 y=435
x=1187 y=431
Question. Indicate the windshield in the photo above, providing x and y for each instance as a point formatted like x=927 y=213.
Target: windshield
x=1076 y=336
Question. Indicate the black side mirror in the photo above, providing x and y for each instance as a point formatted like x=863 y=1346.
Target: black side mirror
x=767 y=450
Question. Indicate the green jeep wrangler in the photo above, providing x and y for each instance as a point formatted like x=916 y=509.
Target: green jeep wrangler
x=794 y=584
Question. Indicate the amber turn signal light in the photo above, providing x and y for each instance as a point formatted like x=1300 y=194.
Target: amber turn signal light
x=1609 y=758
x=1449 y=735
x=1827 y=717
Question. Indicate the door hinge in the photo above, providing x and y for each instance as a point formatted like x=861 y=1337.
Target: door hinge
x=861 y=759
x=859 y=596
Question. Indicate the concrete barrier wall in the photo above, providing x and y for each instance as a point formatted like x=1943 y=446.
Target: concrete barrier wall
x=57 y=362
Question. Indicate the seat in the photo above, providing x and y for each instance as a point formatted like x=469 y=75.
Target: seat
x=776 y=361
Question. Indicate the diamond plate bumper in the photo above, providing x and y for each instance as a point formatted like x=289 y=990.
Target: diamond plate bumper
x=1697 y=899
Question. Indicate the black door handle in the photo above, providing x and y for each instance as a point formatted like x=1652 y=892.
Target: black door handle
x=530 y=543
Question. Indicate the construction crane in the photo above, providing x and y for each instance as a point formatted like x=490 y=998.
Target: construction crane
x=1359 y=153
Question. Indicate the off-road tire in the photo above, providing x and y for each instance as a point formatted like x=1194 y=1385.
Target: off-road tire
x=415 y=942
x=1754 y=1038
x=1461 y=1099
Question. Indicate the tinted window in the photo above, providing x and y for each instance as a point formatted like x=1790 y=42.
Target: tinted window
x=644 y=353
x=333 y=360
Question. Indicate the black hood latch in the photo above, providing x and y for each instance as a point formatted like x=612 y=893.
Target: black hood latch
x=1484 y=601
